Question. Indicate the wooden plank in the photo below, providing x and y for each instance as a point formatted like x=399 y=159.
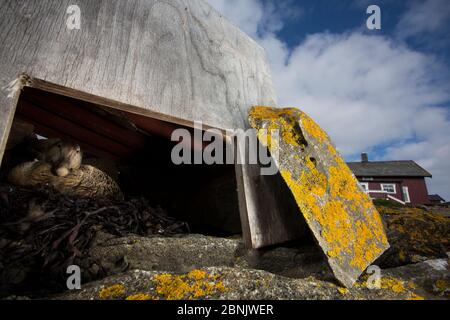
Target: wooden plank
x=153 y=126
x=20 y=130
x=7 y=109
x=117 y=105
x=184 y=68
x=270 y=215
x=67 y=109
x=47 y=132
x=30 y=111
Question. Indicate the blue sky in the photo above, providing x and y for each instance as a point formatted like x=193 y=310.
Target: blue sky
x=338 y=16
x=385 y=92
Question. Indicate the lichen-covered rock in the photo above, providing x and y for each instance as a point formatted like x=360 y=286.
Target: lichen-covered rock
x=110 y=255
x=415 y=235
x=294 y=262
x=227 y=283
x=200 y=267
x=430 y=279
x=341 y=216
x=208 y=283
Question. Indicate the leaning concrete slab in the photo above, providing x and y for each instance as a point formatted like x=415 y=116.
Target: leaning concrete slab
x=341 y=216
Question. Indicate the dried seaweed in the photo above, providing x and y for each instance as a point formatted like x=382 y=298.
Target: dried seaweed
x=42 y=232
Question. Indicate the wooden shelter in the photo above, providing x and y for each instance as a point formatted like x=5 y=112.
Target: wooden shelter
x=166 y=64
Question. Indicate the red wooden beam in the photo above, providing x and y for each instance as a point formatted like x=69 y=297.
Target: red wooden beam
x=163 y=129
x=71 y=129
x=47 y=132
x=70 y=110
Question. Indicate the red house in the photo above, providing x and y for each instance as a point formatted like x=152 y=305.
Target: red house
x=401 y=181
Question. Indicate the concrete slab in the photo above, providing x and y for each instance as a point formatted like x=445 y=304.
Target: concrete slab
x=340 y=214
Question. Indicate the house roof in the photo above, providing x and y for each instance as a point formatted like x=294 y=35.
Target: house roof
x=388 y=169
x=435 y=197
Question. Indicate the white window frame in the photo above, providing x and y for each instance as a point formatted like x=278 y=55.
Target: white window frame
x=406 y=195
x=365 y=186
x=389 y=184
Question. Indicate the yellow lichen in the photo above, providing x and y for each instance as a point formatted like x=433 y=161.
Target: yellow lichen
x=268 y=113
x=336 y=226
x=313 y=129
x=194 y=285
x=367 y=233
x=396 y=285
x=399 y=287
x=139 y=296
x=419 y=229
x=282 y=120
x=442 y=286
x=112 y=292
x=332 y=150
x=414 y=296
x=339 y=230
x=343 y=291
x=345 y=186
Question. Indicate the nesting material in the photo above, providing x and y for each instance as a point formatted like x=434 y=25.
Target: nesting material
x=42 y=231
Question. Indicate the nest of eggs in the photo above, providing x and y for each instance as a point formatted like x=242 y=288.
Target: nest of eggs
x=43 y=232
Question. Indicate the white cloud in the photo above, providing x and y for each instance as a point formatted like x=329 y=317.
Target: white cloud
x=256 y=18
x=366 y=91
x=246 y=14
x=425 y=17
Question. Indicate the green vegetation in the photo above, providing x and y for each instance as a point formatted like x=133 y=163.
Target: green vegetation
x=387 y=203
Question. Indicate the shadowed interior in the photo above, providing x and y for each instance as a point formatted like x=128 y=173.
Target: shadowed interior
x=135 y=150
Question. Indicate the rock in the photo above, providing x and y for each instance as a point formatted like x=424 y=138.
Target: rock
x=340 y=214
x=243 y=272
x=109 y=255
x=293 y=262
x=430 y=278
x=17 y=298
x=415 y=235
x=200 y=267
x=226 y=283
x=236 y=283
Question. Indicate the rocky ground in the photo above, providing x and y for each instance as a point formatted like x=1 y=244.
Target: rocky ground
x=212 y=268
x=200 y=267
